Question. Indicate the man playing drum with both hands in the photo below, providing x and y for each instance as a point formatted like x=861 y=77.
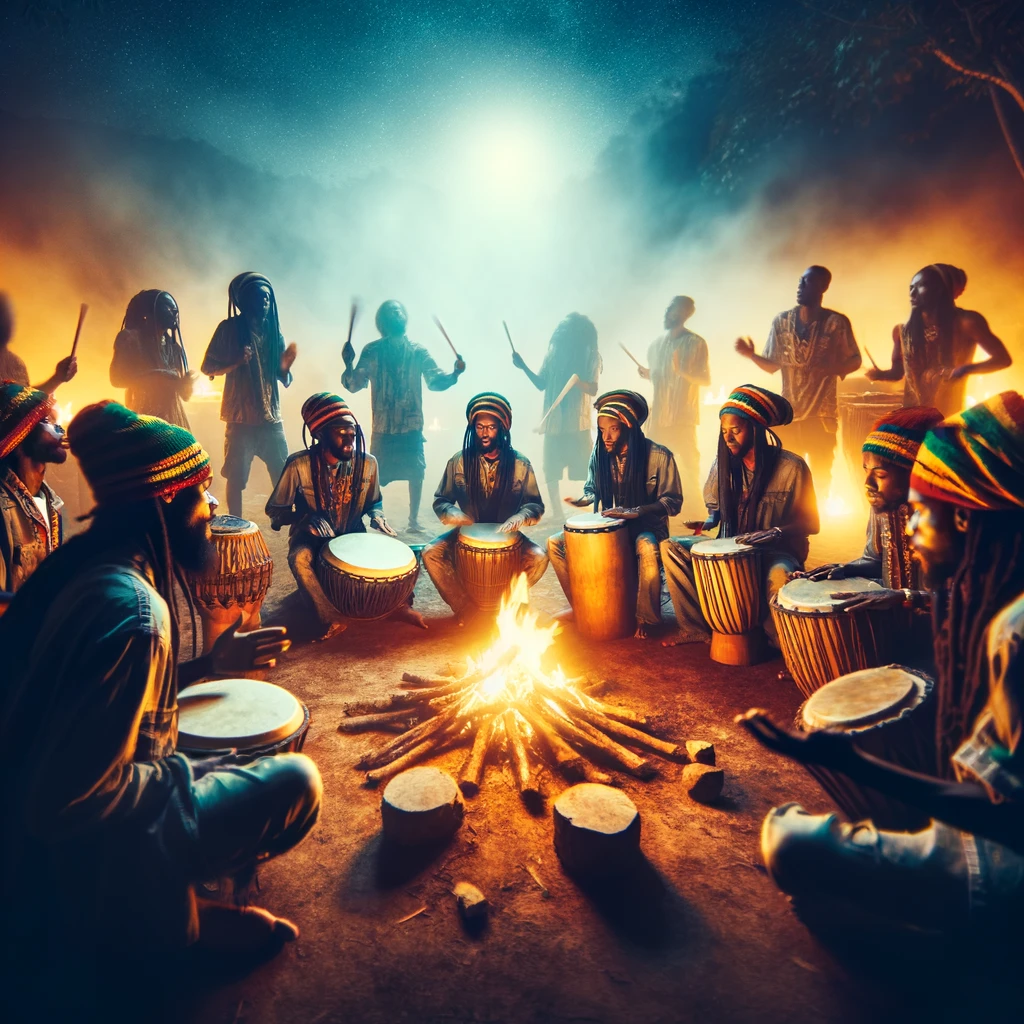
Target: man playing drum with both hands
x=756 y=492
x=633 y=479
x=324 y=492
x=487 y=482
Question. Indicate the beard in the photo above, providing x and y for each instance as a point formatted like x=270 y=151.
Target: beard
x=191 y=547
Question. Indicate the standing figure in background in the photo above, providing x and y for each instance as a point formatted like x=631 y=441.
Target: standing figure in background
x=249 y=348
x=932 y=351
x=631 y=478
x=30 y=519
x=678 y=368
x=12 y=366
x=149 y=358
x=813 y=347
x=567 y=439
x=395 y=367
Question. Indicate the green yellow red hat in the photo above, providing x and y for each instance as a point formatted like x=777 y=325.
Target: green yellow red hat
x=760 y=405
x=322 y=408
x=21 y=408
x=627 y=407
x=490 y=403
x=897 y=436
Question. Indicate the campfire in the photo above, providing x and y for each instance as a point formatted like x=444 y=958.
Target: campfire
x=507 y=701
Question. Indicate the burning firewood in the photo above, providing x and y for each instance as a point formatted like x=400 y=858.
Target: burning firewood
x=472 y=773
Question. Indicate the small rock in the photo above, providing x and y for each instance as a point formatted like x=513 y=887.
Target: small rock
x=703 y=782
x=472 y=902
x=700 y=751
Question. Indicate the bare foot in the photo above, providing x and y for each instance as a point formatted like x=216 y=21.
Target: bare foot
x=409 y=614
x=641 y=632
x=332 y=630
x=414 y=527
x=224 y=928
x=687 y=636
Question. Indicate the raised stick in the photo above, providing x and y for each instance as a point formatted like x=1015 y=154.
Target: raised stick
x=509 y=336
x=630 y=354
x=569 y=385
x=868 y=354
x=446 y=338
x=82 y=310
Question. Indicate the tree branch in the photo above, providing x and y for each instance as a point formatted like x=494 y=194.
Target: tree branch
x=983 y=76
x=1011 y=145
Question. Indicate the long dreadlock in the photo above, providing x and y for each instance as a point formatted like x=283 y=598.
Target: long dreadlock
x=140 y=316
x=945 y=320
x=730 y=480
x=321 y=474
x=990 y=576
x=486 y=509
x=633 y=487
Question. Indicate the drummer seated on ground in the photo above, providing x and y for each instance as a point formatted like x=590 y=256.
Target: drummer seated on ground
x=633 y=479
x=756 y=492
x=487 y=482
x=324 y=492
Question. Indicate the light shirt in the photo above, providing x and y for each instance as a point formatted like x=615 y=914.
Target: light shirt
x=676 y=399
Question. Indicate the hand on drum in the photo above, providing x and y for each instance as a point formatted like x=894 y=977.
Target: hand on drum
x=833 y=571
x=240 y=652
x=621 y=513
x=381 y=524
x=318 y=526
x=578 y=502
x=872 y=600
x=760 y=537
x=513 y=523
x=826 y=747
x=457 y=518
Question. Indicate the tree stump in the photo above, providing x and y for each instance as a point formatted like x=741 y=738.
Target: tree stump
x=597 y=830
x=421 y=805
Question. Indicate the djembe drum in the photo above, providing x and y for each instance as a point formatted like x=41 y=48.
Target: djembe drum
x=857 y=415
x=367 y=575
x=239 y=581
x=601 y=560
x=486 y=562
x=887 y=712
x=728 y=577
x=246 y=715
x=820 y=643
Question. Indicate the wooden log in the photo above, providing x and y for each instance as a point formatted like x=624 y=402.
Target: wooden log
x=592 y=774
x=568 y=761
x=407 y=760
x=613 y=711
x=596 y=830
x=364 y=723
x=472 y=773
x=525 y=780
x=414 y=680
x=408 y=739
x=422 y=805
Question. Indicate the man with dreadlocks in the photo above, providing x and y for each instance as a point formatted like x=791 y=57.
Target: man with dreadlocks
x=757 y=492
x=634 y=479
x=933 y=350
x=107 y=830
x=966 y=870
x=12 y=366
x=30 y=518
x=324 y=492
x=149 y=358
x=249 y=348
x=395 y=368
x=487 y=482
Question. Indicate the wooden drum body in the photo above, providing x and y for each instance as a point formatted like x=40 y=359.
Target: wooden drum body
x=238 y=583
x=601 y=561
x=820 y=644
x=250 y=716
x=729 y=584
x=888 y=712
x=857 y=415
x=367 y=575
x=486 y=562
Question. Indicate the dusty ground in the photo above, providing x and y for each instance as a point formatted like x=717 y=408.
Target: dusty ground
x=701 y=934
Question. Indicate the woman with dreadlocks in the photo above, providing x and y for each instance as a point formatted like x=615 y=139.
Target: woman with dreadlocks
x=149 y=358
x=249 y=348
x=634 y=479
x=966 y=870
x=487 y=482
x=933 y=350
x=107 y=830
x=324 y=492
x=757 y=492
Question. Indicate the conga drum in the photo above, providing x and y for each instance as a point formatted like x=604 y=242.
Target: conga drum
x=887 y=712
x=486 y=562
x=728 y=577
x=367 y=575
x=819 y=643
x=247 y=715
x=239 y=581
x=601 y=561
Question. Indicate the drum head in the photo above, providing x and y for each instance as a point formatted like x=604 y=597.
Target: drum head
x=718 y=547
x=592 y=522
x=816 y=595
x=225 y=525
x=239 y=713
x=369 y=555
x=487 y=535
x=863 y=698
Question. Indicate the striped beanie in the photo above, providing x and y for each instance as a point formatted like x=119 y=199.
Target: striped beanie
x=126 y=456
x=490 y=403
x=760 y=405
x=897 y=436
x=975 y=459
x=21 y=408
x=323 y=408
x=625 y=406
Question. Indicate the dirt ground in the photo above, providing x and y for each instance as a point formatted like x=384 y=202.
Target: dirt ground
x=699 y=934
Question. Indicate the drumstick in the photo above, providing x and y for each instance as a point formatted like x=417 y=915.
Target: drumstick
x=569 y=385
x=351 y=322
x=446 y=338
x=630 y=354
x=868 y=354
x=509 y=336
x=78 y=330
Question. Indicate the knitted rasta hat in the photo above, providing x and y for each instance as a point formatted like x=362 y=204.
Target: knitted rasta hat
x=322 y=409
x=760 y=405
x=897 y=436
x=627 y=407
x=952 y=277
x=490 y=403
x=21 y=408
x=126 y=456
x=975 y=459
